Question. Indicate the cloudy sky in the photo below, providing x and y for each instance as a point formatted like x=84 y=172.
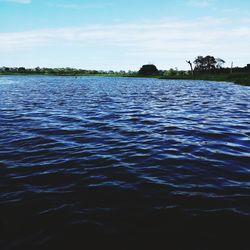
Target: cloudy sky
x=122 y=34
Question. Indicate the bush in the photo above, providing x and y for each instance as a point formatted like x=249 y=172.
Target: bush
x=148 y=70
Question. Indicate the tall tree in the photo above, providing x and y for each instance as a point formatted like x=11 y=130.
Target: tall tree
x=219 y=63
x=207 y=63
x=191 y=66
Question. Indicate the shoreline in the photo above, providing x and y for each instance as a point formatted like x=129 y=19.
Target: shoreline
x=239 y=79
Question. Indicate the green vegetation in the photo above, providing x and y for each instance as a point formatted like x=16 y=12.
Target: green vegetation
x=148 y=70
x=205 y=68
x=211 y=69
x=238 y=78
x=62 y=72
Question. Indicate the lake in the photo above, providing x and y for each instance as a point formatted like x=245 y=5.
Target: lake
x=98 y=161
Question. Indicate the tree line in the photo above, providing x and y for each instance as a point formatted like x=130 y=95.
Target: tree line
x=61 y=71
x=201 y=65
x=210 y=64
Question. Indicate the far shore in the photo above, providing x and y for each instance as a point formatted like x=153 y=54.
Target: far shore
x=241 y=79
x=237 y=78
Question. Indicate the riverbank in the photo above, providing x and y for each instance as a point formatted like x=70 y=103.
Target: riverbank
x=237 y=78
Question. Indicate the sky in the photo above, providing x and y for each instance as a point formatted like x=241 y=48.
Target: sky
x=122 y=34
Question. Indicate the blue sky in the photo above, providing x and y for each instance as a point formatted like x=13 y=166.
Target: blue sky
x=122 y=34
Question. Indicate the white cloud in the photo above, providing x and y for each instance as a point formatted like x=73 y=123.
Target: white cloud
x=18 y=1
x=148 y=41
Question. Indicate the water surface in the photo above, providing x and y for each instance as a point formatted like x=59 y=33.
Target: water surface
x=93 y=160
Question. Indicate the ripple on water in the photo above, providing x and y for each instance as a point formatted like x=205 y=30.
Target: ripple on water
x=87 y=157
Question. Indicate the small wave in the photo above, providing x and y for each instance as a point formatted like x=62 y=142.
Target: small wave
x=7 y=81
x=118 y=158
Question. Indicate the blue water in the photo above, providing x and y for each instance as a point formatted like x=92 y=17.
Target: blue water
x=97 y=161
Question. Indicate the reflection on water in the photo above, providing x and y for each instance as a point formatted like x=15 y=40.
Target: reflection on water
x=123 y=160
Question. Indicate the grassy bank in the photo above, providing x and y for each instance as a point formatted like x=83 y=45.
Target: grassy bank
x=238 y=78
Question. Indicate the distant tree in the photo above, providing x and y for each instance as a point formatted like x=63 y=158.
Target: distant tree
x=172 y=72
x=182 y=73
x=191 y=67
x=210 y=63
x=207 y=63
x=148 y=70
x=38 y=70
x=7 y=69
x=161 y=72
x=21 y=69
x=219 y=63
x=199 y=63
